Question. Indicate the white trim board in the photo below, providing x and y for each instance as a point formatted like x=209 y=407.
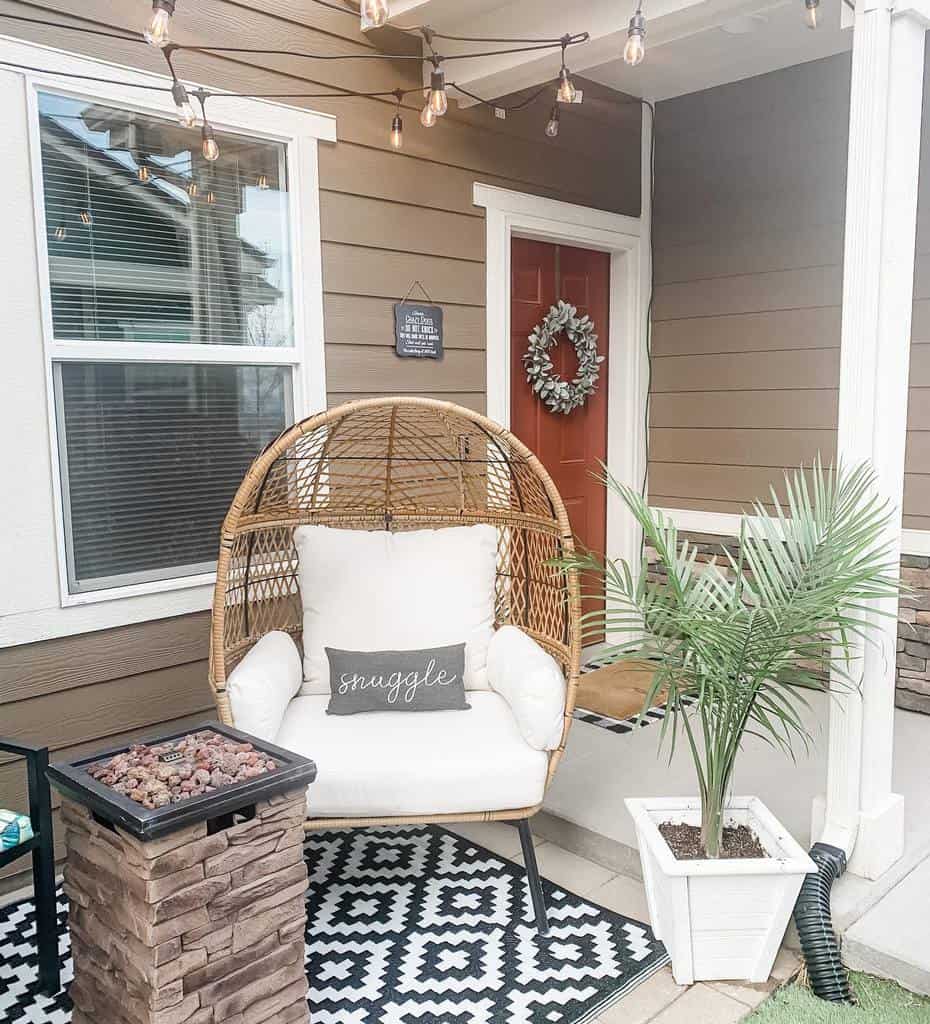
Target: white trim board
x=510 y=214
x=726 y=524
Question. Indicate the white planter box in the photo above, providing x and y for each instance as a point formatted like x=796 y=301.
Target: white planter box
x=719 y=919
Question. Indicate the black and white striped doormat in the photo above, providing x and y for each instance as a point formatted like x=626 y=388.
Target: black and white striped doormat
x=414 y=925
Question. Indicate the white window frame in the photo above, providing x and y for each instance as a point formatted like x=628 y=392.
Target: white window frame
x=299 y=131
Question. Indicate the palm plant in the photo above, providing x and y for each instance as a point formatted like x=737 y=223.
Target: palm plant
x=738 y=647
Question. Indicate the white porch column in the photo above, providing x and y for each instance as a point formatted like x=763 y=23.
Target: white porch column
x=863 y=815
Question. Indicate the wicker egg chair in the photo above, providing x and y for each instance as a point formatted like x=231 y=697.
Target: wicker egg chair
x=397 y=464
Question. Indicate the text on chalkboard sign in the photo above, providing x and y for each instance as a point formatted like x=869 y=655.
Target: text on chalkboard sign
x=418 y=330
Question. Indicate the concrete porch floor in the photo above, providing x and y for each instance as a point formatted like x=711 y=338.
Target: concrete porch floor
x=658 y=1000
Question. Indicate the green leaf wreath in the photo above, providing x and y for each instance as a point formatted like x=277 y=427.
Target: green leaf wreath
x=563 y=395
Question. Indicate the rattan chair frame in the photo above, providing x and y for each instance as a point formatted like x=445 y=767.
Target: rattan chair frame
x=396 y=463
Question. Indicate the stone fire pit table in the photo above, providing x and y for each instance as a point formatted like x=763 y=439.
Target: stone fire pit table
x=191 y=912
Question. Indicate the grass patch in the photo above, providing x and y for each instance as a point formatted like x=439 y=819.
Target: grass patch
x=880 y=1002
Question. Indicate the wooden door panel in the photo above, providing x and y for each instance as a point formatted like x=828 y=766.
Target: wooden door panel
x=570 y=447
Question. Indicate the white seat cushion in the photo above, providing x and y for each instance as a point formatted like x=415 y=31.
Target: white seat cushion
x=372 y=590
x=384 y=764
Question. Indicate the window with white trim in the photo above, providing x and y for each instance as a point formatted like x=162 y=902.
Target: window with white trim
x=170 y=309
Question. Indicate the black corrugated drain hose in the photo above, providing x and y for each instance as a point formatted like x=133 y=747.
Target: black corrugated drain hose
x=828 y=977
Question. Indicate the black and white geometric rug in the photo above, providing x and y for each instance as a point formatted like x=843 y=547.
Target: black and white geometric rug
x=415 y=925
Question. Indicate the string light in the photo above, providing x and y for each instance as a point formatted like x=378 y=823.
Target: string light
x=208 y=143
x=635 y=49
x=186 y=114
x=811 y=13
x=374 y=13
x=552 y=128
x=427 y=116
x=156 y=33
x=208 y=146
x=262 y=181
x=566 y=93
x=61 y=232
x=86 y=217
x=143 y=173
x=438 y=101
x=211 y=197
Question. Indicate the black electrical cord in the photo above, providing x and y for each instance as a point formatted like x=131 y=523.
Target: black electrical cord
x=530 y=46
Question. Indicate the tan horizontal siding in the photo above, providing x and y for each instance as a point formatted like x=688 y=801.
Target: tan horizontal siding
x=741 y=446
x=52 y=666
x=385 y=224
x=803 y=409
x=748 y=371
x=367 y=320
x=750 y=293
x=748 y=332
x=749 y=248
x=378 y=370
x=351 y=270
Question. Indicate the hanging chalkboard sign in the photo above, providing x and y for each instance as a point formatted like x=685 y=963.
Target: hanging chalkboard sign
x=418 y=327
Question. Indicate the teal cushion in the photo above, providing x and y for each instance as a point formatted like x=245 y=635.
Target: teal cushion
x=14 y=829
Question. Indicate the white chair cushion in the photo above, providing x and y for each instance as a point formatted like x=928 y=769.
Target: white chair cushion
x=375 y=590
x=263 y=684
x=383 y=764
x=531 y=682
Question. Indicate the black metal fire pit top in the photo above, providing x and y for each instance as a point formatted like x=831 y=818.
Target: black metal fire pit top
x=74 y=780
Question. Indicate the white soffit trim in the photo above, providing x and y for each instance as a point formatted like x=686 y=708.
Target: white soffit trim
x=726 y=524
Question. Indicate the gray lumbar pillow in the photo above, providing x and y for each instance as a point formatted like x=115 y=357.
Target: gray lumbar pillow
x=427 y=680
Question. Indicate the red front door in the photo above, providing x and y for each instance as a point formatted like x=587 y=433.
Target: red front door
x=570 y=447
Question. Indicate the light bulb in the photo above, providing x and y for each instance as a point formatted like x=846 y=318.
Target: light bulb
x=427 y=117
x=552 y=128
x=192 y=189
x=811 y=12
x=86 y=217
x=156 y=32
x=262 y=181
x=61 y=232
x=375 y=13
x=211 y=197
x=397 y=131
x=566 y=87
x=186 y=114
x=438 y=101
x=635 y=49
x=143 y=173
x=211 y=151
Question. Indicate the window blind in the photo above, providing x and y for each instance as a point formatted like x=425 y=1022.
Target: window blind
x=151 y=457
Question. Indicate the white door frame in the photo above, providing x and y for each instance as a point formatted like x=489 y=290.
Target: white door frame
x=515 y=214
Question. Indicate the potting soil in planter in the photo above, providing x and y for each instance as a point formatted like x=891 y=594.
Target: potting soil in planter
x=685 y=842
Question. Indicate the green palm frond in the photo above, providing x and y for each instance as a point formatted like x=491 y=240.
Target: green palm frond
x=741 y=642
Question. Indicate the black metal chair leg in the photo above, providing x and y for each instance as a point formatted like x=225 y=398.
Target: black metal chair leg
x=43 y=877
x=532 y=876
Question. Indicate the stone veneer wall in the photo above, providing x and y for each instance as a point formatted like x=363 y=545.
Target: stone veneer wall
x=913 y=683
x=199 y=927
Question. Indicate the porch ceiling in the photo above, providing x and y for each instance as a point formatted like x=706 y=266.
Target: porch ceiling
x=691 y=44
